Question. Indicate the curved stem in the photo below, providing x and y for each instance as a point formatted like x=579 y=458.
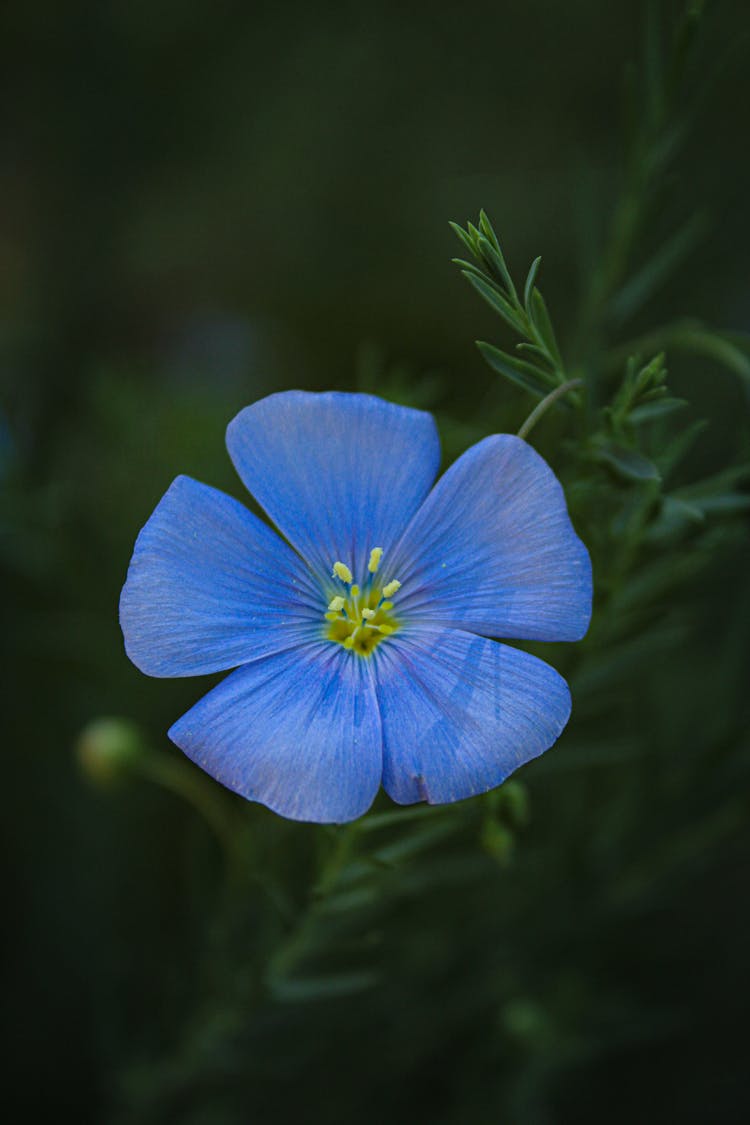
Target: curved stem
x=545 y=404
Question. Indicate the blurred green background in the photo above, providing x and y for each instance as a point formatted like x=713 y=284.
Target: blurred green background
x=202 y=203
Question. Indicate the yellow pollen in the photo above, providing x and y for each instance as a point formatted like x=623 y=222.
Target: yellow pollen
x=376 y=555
x=359 y=618
x=341 y=570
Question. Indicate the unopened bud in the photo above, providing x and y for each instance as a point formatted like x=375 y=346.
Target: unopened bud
x=108 y=748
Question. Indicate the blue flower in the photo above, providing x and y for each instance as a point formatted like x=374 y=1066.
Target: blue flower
x=360 y=640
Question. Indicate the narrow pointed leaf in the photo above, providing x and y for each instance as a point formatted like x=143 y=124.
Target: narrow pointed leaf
x=488 y=230
x=496 y=261
x=680 y=446
x=523 y=374
x=534 y=349
x=675 y=510
x=465 y=238
x=543 y=325
x=718 y=483
x=628 y=464
x=495 y=299
x=655 y=272
x=725 y=504
x=653 y=373
x=301 y=989
x=659 y=408
x=469 y=267
x=530 y=282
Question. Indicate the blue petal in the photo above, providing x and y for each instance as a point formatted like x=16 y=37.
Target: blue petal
x=492 y=550
x=338 y=474
x=460 y=713
x=210 y=587
x=299 y=732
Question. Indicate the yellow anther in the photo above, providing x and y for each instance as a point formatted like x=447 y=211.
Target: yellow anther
x=376 y=555
x=359 y=619
x=341 y=570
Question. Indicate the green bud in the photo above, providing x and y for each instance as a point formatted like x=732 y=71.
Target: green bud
x=108 y=748
x=514 y=803
x=497 y=841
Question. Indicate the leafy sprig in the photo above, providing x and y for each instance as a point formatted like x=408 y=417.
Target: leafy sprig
x=539 y=367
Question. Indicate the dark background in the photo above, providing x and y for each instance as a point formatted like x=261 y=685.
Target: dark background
x=199 y=204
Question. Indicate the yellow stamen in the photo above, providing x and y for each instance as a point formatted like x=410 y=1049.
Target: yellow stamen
x=359 y=618
x=341 y=570
x=375 y=556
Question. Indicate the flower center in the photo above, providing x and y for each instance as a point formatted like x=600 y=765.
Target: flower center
x=360 y=618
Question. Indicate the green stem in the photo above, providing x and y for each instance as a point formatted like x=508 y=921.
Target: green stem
x=545 y=404
x=171 y=775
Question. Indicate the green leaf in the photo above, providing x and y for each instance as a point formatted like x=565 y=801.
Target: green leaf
x=629 y=464
x=496 y=262
x=469 y=267
x=534 y=349
x=638 y=290
x=530 y=282
x=543 y=324
x=523 y=374
x=675 y=508
x=301 y=989
x=716 y=484
x=725 y=504
x=408 y=846
x=474 y=234
x=488 y=230
x=679 y=447
x=495 y=299
x=652 y=374
x=373 y=822
x=659 y=408
x=465 y=238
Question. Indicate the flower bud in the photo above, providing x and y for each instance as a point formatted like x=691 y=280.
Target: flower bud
x=108 y=748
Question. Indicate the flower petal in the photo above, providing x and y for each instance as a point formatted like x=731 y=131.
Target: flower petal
x=210 y=587
x=338 y=474
x=492 y=549
x=460 y=713
x=299 y=732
